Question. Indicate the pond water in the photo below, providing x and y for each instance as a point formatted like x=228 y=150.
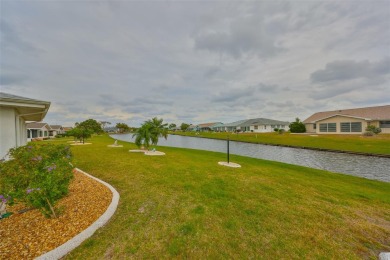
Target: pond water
x=358 y=165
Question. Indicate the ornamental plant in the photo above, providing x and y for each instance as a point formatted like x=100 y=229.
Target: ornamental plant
x=373 y=129
x=38 y=175
x=297 y=126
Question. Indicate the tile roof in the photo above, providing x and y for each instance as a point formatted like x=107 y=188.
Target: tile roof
x=27 y=108
x=369 y=113
x=208 y=124
x=36 y=125
x=236 y=123
x=55 y=127
x=263 y=121
x=7 y=96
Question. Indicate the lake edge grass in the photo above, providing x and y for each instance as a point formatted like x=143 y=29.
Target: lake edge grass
x=175 y=209
x=373 y=145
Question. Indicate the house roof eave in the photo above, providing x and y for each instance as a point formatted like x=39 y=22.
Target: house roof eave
x=321 y=119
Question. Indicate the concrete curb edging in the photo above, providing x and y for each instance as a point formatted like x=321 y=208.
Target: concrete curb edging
x=74 y=242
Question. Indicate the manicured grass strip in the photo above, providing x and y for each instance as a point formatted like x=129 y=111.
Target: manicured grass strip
x=184 y=205
x=379 y=144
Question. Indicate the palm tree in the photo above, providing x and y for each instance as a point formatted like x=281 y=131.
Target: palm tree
x=150 y=132
x=158 y=129
x=143 y=136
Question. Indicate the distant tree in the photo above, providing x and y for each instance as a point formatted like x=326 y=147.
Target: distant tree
x=104 y=123
x=122 y=127
x=92 y=125
x=297 y=126
x=184 y=127
x=171 y=126
x=80 y=133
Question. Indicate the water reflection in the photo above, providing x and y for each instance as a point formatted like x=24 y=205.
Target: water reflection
x=358 y=165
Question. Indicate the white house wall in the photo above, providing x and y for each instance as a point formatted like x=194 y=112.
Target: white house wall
x=266 y=128
x=13 y=131
x=7 y=130
x=22 y=132
x=338 y=120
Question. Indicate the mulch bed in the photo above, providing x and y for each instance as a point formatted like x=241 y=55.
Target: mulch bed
x=30 y=234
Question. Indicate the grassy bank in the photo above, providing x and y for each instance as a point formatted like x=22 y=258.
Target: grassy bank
x=379 y=144
x=184 y=205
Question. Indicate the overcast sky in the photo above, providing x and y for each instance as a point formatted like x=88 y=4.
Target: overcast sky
x=195 y=61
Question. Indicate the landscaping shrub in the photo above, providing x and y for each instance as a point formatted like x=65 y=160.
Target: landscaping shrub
x=38 y=175
x=373 y=129
x=368 y=133
x=297 y=126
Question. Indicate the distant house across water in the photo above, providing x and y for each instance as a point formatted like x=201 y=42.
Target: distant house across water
x=349 y=121
x=255 y=125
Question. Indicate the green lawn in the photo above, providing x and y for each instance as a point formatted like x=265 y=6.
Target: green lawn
x=379 y=144
x=184 y=205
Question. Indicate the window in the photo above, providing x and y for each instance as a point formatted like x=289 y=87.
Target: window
x=256 y=127
x=384 y=124
x=329 y=127
x=345 y=127
x=314 y=126
x=356 y=127
x=323 y=127
x=348 y=127
x=273 y=126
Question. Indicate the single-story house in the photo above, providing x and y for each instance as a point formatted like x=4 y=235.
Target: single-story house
x=14 y=112
x=262 y=125
x=55 y=130
x=349 y=121
x=37 y=130
x=203 y=127
x=256 y=125
x=207 y=126
x=67 y=128
x=192 y=128
x=230 y=127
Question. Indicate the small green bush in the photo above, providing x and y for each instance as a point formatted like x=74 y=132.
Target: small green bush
x=368 y=133
x=373 y=129
x=38 y=175
x=297 y=126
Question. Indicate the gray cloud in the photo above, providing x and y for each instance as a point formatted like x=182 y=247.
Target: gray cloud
x=245 y=36
x=343 y=87
x=10 y=79
x=195 y=61
x=234 y=95
x=12 y=41
x=349 y=69
x=245 y=95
